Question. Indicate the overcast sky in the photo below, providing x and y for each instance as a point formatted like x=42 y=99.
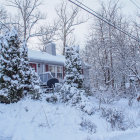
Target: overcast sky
x=81 y=31
x=128 y=8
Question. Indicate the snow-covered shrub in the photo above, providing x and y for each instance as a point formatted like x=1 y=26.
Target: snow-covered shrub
x=88 y=126
x=57 y=87
x=65 y=94
x=30 y=79
x=115 y=118
x=33 y=89
x=88 y=108
x=77 y=97
x=106 y=97
x=85 y=105
x=3 y=97
x=52 y=99
x=70 y=94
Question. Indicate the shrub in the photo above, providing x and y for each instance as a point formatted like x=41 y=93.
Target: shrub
x=70 y=94
x=88 y=125
x=115 y=118
x=52 y=99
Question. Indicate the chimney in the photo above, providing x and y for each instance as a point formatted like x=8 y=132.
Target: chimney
x=51 y=48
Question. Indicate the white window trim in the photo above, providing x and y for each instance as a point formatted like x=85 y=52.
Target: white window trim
x=55 y=66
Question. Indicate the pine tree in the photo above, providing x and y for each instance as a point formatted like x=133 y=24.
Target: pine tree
x=73 y=67
x=30 y=78
x=34 y=84
x=77 y=67
x=68 y=66
x=17 y=79
x=10 y=78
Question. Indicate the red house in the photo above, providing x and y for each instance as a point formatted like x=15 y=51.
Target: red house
x=47 y=61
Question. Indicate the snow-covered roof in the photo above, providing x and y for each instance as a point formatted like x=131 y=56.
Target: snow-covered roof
x=38 y=56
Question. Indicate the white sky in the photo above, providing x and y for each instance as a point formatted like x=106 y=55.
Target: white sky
x=81 y=31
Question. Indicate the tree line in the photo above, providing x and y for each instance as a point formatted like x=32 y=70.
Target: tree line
x=27 y=22
x=113 y=56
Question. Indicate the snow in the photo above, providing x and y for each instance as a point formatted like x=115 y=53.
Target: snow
x=6 y=78
x=127 y=135
x=45 y=57
x=34 y=120
x=39 y=120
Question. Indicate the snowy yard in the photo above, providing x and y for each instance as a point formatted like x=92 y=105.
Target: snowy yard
x=95 y=79
x=39 y=120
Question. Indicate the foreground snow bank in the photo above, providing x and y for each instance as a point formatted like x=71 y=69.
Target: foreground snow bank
x=36 y=120
x=39 y=120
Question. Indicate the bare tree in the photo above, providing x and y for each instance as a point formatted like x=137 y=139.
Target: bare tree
x=28 y=16
x=134 y=59
x=108 y=49
x=67 y=19
x=3 y=18
x=48 y=35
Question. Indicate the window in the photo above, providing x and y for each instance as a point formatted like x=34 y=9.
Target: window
x=57 y=71
x=51 y=68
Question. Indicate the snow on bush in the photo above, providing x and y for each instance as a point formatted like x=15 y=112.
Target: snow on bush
x=52 y=99
x=88 y=126
x=71 y=94
x=76 y=97
x=115 y=118
x=106 y=97
x=88 y=108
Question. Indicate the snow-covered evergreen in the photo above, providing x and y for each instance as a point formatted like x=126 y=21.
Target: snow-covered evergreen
x=16 y=76
x=73 y=67
x=30 y=78
x=10 y=68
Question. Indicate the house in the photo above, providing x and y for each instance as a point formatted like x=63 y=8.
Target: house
x=47 y=61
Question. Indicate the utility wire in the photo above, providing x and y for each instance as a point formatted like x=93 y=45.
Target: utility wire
x=134 y=3
x=92 y=12
x=4 y=25
x=91 y=9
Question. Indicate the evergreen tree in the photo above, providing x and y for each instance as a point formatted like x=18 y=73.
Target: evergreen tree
x=30 y=78
x=73 y=67
x=16 y=77
x=68 y=66
x=77 y=67
x=34 y=84
x=10 y=77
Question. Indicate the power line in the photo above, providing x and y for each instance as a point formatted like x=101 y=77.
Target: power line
x=92 y=12
x=4 y=25
x=134 y=3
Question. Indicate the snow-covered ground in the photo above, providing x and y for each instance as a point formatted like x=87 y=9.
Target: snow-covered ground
x=39 y=120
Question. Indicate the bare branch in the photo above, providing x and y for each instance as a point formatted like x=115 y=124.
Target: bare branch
x=68 y=19
x=29 y=16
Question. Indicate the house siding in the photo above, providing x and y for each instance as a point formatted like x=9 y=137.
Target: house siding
x=34 y=66
x=46 y=67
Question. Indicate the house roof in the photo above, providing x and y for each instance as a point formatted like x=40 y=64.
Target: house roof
x=43 y=57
